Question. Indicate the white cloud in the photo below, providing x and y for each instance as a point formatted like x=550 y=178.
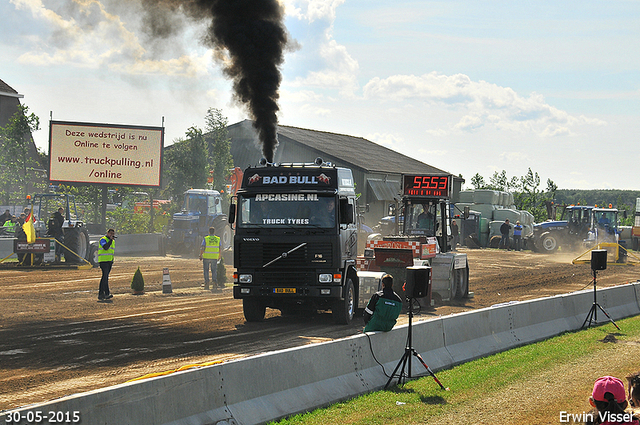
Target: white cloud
x=338 y=72
x=185 y=66
x=437 y=132
x=556 y=130
x=482 y=104
x=312 y=10
x=513 y=157
x=470 y=123
x=328 y=64
x=388 y=140
x=89 y=36
x=314 y=110
x=434 y=153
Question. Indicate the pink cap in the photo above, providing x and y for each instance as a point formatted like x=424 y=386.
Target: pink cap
x=609 y=384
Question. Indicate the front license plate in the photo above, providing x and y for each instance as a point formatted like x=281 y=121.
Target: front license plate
x=284 y=290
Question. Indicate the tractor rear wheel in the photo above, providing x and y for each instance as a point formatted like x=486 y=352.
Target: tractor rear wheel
x=549 y=242
x=223 y=231
x=77 y=242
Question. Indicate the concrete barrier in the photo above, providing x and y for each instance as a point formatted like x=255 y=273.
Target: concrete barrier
x=138 y=244
x=6 y=247
x=269 y=386
x=388 y=348
x=141 y=244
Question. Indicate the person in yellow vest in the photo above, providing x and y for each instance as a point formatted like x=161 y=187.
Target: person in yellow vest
x=106 y=250
x=10 y=224
x=209 y=254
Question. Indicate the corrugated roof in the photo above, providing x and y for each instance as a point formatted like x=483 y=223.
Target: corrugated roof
x=357 y=151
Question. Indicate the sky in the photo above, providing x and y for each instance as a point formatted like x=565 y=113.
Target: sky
x=465 y=86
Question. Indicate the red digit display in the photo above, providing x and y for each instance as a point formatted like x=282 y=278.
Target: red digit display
x=428 y=186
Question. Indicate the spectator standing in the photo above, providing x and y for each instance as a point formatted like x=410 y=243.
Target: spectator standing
x=608 y=398
x=634 y=389
x=55 y=229
x=209 y=254
x=454 y=234
x=505 y=228
x=517 y=236
x=4 y=217
x=383 y=308
x=19 y=230
x=106 y=252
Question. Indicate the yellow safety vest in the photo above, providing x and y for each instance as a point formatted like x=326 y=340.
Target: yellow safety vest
x=106 y=254
x=212 y=248
x=11 y=227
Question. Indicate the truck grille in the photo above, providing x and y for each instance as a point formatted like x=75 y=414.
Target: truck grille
x=288 y=279
x=254 y=255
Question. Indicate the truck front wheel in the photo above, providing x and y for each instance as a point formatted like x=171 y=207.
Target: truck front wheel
x=344 y=310
x=253 y=309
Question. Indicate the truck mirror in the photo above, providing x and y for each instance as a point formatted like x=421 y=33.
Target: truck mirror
x=231 y=218
x=346 y=212
x=624 y=213
x=466 y=213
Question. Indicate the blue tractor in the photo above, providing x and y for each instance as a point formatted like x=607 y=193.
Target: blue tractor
x=580 y=226
x=202 y=209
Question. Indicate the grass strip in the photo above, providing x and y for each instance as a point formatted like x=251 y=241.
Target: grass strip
x=571 y=360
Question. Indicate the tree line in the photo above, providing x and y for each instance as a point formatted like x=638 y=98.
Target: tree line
x=548 y=202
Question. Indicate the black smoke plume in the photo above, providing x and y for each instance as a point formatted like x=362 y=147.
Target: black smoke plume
x=253 y=33
x=249 y=38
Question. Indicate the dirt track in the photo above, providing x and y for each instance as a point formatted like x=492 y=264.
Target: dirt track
x=57 y=339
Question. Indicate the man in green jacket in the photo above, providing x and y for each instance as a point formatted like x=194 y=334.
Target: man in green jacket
x=383 y=309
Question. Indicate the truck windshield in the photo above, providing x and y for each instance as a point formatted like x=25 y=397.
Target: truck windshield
x=420 y=219
x=297 y=210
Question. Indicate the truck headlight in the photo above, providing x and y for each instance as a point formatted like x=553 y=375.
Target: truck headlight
x=325 y=278
x=246 y=278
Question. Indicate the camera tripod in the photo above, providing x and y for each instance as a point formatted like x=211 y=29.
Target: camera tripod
x=592 y=316
x=405 y=361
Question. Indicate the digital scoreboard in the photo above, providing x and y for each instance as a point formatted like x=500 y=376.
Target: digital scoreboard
x=437 y=186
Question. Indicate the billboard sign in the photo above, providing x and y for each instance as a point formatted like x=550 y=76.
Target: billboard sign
x=105 y=153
